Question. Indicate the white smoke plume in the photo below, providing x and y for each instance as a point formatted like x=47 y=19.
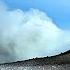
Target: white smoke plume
x=29 y=34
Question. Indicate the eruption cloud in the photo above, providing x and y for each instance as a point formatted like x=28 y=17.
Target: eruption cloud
x=29 y=34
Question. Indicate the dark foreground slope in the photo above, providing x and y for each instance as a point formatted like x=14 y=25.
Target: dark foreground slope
x=63 y=58
x=58 y=62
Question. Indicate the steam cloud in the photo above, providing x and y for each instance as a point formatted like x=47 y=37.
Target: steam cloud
x=29 y=34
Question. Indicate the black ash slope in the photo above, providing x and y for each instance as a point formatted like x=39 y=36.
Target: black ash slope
x=63 y=58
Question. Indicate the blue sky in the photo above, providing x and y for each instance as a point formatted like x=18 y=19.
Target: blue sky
x=59 y=10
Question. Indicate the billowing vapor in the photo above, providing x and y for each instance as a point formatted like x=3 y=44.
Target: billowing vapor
x=29 y=34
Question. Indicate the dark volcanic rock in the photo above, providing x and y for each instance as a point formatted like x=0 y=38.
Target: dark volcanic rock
x=58 y=62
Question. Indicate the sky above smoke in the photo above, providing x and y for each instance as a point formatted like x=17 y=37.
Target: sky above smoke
x=29 y=34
